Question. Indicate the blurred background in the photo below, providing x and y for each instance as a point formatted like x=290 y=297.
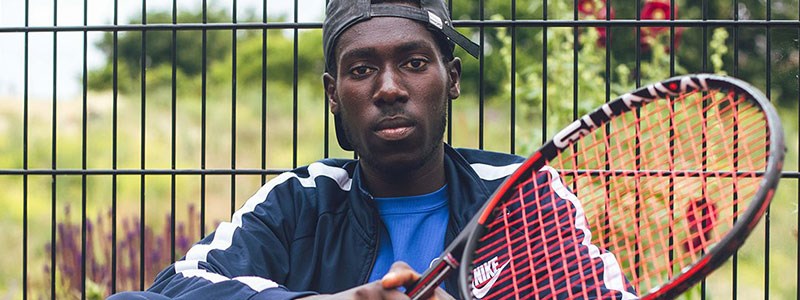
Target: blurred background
x=130 y=128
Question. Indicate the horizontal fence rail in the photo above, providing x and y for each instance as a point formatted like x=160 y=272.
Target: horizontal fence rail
x=462 y=24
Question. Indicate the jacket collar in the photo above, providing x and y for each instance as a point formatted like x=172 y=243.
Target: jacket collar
x=466 y=190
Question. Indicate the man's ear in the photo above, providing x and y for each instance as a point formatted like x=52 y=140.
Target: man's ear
x=329 y=83
x=454 y=72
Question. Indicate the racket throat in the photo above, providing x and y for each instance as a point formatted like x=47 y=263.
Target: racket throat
x=424 y=288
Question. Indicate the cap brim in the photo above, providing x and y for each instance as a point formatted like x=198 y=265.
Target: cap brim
x=427 y=17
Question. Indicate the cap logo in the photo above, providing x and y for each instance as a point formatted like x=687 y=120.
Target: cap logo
x=435 y=20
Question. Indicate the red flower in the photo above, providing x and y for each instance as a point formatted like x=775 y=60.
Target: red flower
x=702 y=218
x=658 y=10
x=589 y=7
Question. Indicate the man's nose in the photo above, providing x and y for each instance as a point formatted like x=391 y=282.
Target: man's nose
x=391 y=87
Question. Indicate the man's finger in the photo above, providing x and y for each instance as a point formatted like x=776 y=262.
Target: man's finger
x=399 y=275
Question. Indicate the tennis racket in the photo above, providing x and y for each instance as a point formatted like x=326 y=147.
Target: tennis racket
x=642 y=197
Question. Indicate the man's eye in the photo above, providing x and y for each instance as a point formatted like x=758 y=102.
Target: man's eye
x=360 y=70
x=416 y=63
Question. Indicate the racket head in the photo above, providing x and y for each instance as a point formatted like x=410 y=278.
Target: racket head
x=671 y=178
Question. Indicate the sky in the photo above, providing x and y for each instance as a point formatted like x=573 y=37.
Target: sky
x=69 y=52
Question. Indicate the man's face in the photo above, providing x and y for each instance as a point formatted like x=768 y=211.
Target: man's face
x=391 y=89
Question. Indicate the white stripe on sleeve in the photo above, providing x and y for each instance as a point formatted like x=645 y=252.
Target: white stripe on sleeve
x=223 y=236
x=612 y=273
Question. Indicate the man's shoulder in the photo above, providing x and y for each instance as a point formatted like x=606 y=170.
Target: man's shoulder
x=493 y=158
x=324 y=166
x=331 y=171
x=490 y=165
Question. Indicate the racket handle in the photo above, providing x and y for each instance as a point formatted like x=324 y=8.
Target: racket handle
x=427 y=283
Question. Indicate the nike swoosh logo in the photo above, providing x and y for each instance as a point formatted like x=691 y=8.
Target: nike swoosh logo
x=481 y=292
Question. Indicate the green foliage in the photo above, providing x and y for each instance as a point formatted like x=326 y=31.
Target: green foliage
x=279 y=57
x=158 y=47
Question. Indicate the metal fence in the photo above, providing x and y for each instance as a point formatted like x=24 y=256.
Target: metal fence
x=129 y=128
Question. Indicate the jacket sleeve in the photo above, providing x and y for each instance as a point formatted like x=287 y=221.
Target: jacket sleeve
x=575 y=254
x=245 y=258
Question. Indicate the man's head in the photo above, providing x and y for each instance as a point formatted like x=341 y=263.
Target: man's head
x=390 y=89
x=428 y=18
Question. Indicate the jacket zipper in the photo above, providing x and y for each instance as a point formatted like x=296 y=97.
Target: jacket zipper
x=377 y=246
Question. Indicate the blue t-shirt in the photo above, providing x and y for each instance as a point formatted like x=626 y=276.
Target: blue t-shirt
x=413 y=231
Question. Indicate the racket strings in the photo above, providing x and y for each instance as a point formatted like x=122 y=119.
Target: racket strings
x=684 y=146
x=633 y=205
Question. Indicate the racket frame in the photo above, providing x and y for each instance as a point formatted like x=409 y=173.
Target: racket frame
x=458 y=255
x=627 y=103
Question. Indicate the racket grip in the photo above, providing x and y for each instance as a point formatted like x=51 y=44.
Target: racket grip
x=427 y=283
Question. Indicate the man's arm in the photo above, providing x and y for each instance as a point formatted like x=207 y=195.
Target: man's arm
x=243 y=259
x=192 y=279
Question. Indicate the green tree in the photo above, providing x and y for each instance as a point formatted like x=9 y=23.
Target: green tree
x=159 y=48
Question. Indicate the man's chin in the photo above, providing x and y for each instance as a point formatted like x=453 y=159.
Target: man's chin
x=400 y=160
x=398 y=163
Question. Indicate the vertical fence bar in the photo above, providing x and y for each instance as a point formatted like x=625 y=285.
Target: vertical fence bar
x=768 y=91
x=673 y=50
x=481 y=66
x=449 y=137
x=264 y=96
x=607 y=128
x=704 y=10
x=704 y=68
x=203 y=111
x=25 y=112
x=575 y=32
x=637 y=128
x=114 y=128
x=53 y=165
x=233 y=107
x=295 y=102
x=638 y=42
x=173 y=131
x=672 y=14
x=143 y=149
x=326 y=116
x=735 y=258
x=513 y=124
x=544 y=73
x=84 y=144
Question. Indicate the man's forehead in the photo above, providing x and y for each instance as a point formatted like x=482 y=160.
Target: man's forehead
x=404 y=47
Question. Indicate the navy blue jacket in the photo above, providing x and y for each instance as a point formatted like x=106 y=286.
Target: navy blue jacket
x=313 y=230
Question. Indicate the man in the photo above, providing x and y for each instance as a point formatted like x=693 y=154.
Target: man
x=346 y=229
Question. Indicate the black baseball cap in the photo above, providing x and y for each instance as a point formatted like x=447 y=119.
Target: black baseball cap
x=341 y=14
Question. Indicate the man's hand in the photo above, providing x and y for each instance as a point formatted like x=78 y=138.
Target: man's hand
x=400 y=275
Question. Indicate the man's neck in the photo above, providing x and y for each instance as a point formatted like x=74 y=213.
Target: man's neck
x=428 y=178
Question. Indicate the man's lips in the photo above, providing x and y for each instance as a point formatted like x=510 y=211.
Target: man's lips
x=394 y=128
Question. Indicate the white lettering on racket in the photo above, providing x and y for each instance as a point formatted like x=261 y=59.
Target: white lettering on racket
x=484 y=277
x=589 y=122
